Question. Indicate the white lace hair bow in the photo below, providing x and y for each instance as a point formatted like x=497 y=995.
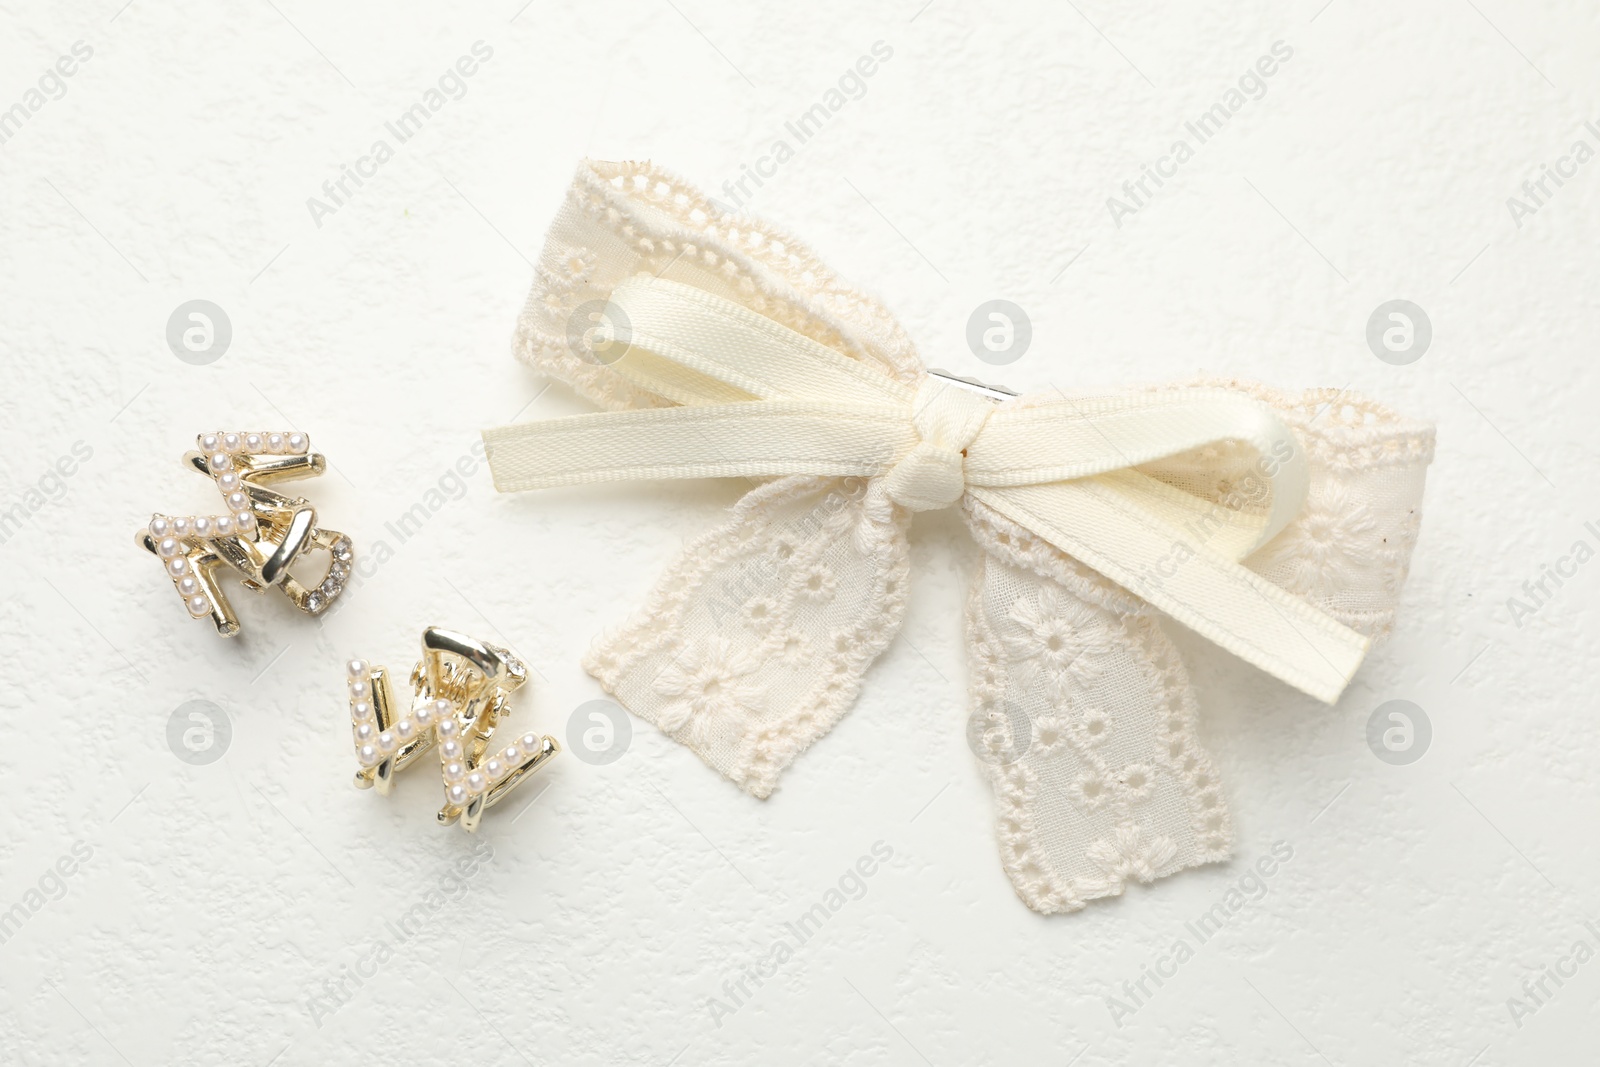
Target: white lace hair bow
x=1278 y=527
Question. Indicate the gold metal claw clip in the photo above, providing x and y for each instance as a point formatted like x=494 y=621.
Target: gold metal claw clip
x=460 y=690
x=260 y=532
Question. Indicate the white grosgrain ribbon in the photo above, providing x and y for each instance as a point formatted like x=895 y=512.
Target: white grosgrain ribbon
x=756 y=399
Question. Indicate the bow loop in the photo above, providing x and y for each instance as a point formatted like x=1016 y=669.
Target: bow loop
x=933 y=474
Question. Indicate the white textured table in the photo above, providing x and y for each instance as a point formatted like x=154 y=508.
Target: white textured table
x=247 y=910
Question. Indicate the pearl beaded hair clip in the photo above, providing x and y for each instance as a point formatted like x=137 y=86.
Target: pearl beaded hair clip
x=461 y=687
x=260 y=534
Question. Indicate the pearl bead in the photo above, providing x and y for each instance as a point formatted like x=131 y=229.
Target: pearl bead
x=219 y=462
x=405 y=729
x=223 y=525
x=252 y=442
x=360 y=690
x=198 y=606
x=454 y=771
x=160 y=527
x=512 y=755
x=476 y=783
x=297 y=443
x=180 y=527
x=203 y=526
x=228 y=482
x=448 y=728
x=365 y=732
x=245 y=521
x=424 y=716
x=387 y=742
x=178 y=566
x=457 y=796
x=188 y=586
x=450 y=750
x=210 y=442
x=230 y=442
x=530 y=743
x=238 y=500
x=361 y=710
x=494 y=768
x=167 y=547
x=356 y=669
x=274 y=442
x=367 y=755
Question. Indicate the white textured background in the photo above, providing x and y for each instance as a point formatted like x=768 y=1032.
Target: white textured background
x=222 y=903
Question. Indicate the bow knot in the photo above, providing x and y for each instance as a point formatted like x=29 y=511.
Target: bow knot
x=933 y=474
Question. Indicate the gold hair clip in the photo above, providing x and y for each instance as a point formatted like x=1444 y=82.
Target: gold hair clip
x=261 y=533
x=461 y=688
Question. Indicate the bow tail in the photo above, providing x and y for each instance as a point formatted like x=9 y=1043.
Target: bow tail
x=753 y=644
x=1084 y=721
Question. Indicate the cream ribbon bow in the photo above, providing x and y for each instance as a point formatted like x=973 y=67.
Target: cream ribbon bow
x=1202 y=503
x=758 y=399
